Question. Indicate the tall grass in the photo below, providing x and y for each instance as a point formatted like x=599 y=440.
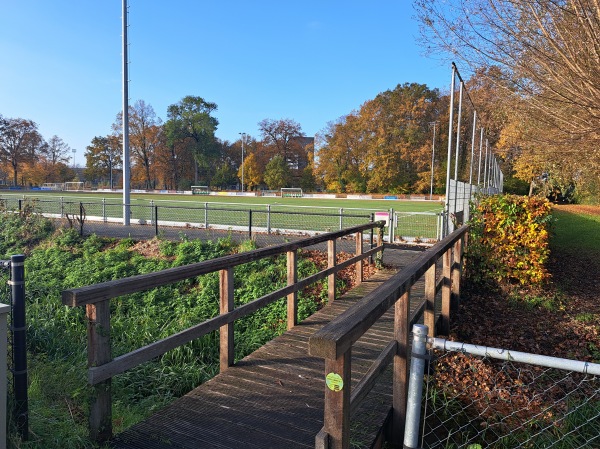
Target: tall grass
x=56 y=334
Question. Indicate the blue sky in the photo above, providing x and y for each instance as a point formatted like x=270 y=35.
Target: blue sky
x=310 y=61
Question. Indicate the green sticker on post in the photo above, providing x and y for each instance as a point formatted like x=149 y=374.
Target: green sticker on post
x=334 y=382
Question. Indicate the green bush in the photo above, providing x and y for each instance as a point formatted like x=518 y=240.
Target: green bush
x=508 y=240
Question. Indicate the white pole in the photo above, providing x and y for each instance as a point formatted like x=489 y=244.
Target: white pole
x=243 y=135
x=432 y=161
x=472 y=149
x=479 y=162
x=126 y=195
x=451 y=121
x=460 y=97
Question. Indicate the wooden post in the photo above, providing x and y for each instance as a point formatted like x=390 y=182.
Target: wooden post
x=359 y=251
x=379 y=257
x=226 y=352
x=446 y=292
x=456 y=274
x=99 y=353
x=336 y=420
x=400 y=376
x=292 y=298
x=429 y=315
x=331 y=262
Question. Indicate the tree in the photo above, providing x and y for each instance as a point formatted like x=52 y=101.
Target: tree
x=252 y=172
x=277 y=173
x=103 y=156
x=20 y=142
x=56 y=150
x=190 y=124
x=548 y=54
x=383 y=147
x=284 y=137
x=145 y=134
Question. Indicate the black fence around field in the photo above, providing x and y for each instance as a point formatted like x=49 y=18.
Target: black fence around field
x=159 y=218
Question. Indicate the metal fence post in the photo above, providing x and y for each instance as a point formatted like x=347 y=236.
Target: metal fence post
x=104 y=218
x=80 y=218
x=156 y=220
x=415 y=387
x=391 y=226
x=19 y=333
x=268 y=218
x=62 y=207
x=341 y=218
x=250 y=223
x=20 y=206
x=206 y=215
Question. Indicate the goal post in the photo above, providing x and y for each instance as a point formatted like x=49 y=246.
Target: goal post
x=74 y=185
x=291 y=192
x=53 y=186
x=200 y=190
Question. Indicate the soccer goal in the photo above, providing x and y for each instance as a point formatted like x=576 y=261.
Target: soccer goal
x=200 y=190
x=53 y=186
x=74 y=185
x=291 y=192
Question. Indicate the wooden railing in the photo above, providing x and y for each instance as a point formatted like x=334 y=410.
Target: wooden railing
x=96 y=298
x=334 y=341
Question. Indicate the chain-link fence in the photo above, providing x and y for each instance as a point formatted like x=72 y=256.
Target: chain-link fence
x=476 y=397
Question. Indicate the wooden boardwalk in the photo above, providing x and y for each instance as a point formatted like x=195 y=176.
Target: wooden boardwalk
x=273 y=398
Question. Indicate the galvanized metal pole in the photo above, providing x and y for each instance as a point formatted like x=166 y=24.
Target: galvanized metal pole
x=480 y=154
x=415 y=387
x=456 y=154
x=432 y=161
x=449 y=161
x=126 y=194
x=485 y=165
x=472 y=154
x=517 y=356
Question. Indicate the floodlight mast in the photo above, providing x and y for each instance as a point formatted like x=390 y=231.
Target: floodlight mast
x=126 y=194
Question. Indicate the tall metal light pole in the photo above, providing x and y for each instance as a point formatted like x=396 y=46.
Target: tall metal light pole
x=126 y=200
x=432 y=159
x=74 y=151
x=243 y=138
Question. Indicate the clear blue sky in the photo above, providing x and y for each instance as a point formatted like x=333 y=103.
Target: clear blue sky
x=312 y=61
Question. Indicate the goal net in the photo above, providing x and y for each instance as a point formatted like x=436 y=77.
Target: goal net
x=200 y=190
x=53 y=186
x=291 y=192
x=74 y=185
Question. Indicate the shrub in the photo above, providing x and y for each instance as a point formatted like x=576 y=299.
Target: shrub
x=509 y=240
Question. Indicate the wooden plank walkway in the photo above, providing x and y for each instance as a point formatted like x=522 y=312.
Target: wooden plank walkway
x=273 y=398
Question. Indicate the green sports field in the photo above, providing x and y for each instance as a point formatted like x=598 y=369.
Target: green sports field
x=244 y=202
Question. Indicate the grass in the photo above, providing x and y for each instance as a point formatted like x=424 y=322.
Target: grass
x=575 y=232
x=245 y=201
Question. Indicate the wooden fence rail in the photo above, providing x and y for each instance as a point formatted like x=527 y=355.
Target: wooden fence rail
x=96 y=298
x=334 y=341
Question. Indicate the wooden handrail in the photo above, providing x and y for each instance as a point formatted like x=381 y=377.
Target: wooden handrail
x=339 y=334
x=119 y=287
x=96 y=299
x=334 y=341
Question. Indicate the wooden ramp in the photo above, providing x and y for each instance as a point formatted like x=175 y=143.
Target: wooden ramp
x=273 y=398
